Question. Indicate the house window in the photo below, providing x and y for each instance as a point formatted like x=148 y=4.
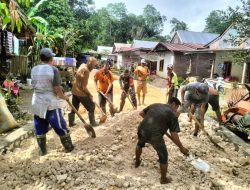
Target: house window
x=161 y=65
x=227 y=69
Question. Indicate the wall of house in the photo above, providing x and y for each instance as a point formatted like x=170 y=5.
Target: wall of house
x=168 y=59
x=119 y=61
x=19 y=65
x=200 y=64
x=221 y=57
x=176 y=39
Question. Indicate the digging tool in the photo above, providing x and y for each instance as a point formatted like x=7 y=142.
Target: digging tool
x=196 y=162
x=89 y=128
x=206 y=133
x=104 y=116
x=127 y=96
x=111 y=103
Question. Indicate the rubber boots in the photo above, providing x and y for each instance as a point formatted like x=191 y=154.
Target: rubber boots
x=92 y=119
x=41 y=141
x=67 y=143
x=71 y=118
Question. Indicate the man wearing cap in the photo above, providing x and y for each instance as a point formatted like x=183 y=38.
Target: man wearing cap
x=195 y=94
x=142 y=72
x=127 y=87
x=172 y=83
x=46 y=83
x=80 y=92
x=104 y=82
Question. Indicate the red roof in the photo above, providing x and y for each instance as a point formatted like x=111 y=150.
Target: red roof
x=180 y=47
x=119 y=46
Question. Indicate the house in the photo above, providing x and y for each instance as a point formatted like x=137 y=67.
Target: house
x=186 y=53
x=105 y=52
x=138 y=50
x=120 y=59
x=190 y=37
x=224 y=64
x=183 y=58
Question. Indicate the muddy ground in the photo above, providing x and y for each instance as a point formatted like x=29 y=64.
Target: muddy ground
x=107 y=161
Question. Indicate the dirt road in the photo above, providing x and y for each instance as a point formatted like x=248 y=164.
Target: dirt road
x=107 y=161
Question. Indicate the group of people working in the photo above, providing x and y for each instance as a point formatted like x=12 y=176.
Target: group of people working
x=157 y=118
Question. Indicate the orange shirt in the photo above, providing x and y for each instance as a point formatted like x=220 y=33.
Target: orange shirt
x=103 y=80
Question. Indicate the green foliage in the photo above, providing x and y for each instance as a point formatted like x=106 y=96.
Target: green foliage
x=217 y=21
x=177 y=25
x=13 y=106
x=153 y=21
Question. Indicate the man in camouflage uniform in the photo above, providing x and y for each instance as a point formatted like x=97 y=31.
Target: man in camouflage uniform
x=127 y=87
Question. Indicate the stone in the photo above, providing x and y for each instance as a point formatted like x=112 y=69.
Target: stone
x=61 y=178
x=126 y=184
x=118 y=129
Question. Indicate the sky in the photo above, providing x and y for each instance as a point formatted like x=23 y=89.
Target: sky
x=192 y=12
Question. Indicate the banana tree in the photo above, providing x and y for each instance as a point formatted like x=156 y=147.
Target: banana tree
x=40 y=23
x=44 y=39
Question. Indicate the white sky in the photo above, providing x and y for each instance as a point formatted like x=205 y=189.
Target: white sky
x=192 y=12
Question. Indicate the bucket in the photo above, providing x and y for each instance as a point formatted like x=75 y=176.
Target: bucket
x=29 y=82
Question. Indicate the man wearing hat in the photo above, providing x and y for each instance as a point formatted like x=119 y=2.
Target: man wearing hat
x=46 y=83
x=142 y=72
x=172 y=83
x=80 y=92
x=196 y=95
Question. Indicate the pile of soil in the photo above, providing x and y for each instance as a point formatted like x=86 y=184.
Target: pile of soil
x=107 y=161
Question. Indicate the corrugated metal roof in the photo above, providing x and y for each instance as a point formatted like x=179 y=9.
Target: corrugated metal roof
x=144 y=44
x=181 y=47
x=119 y=46
x=104 y=49
x=196 y=37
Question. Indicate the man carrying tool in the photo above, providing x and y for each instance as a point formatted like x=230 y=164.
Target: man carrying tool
x=213 y=101
x=46 y=83
x=157 y=119
x=172 y=83
x=142 y=72
x=127 y=87
x=103 y=83
x=80 y=92
x=196 y=95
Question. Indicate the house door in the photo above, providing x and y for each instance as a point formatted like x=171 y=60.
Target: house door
x=227 y=69
x=248 y=73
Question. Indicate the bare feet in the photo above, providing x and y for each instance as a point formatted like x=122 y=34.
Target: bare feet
x=166 y=180
x=137 y=163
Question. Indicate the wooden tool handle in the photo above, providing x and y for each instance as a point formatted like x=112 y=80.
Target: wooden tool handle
x=75 y=110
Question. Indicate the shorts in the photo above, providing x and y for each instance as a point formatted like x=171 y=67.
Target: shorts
x=214 y=102
x=156 y=141
x=141 y=86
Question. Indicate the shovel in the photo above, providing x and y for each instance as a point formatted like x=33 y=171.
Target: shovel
x=89 y=128
x=104 y=116
x=111 y=103
x=206 y=133
x=196 y=162
x=127 y=96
